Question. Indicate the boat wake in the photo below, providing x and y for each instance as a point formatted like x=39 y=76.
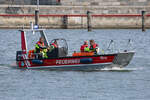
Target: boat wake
x=106 y=69
x=13 y=65
x=119 y=69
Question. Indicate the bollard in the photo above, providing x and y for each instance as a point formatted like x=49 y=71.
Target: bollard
x=65 y=22
x=37 y=17
x=89 y=24
x=143 y=21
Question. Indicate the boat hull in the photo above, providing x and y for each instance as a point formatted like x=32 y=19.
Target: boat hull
x=79 y=63
x=123 y=59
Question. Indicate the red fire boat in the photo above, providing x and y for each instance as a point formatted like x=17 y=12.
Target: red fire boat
x=61 y=60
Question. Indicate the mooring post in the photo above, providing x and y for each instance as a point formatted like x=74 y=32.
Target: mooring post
x=89 y=23
x=65 y=22
x=143 y=21
x=37 y=17
x=82 y=22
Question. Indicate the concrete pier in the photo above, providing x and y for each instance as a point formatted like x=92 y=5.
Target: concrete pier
x=53 y=16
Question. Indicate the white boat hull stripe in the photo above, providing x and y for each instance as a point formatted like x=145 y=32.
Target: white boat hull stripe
x=59 y=66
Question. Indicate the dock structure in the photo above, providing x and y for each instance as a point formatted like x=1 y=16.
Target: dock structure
x=122 y=21
x=73 y=14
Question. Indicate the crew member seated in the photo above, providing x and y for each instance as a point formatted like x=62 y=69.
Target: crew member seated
x=55 y=45
x=53 y=50
x=41 y=49
x=93 y=46
x=84 y=47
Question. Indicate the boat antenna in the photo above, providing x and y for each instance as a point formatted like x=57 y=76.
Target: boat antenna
x=31 y=26
x=129 y=44
x=37 y=4
x=36 y=26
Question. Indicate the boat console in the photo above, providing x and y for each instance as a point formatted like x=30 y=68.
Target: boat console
x=61 y=50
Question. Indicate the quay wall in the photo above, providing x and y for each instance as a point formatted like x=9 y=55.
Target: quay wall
x=53 y=16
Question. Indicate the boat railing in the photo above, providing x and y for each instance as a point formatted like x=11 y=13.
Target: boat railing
x=115 y=47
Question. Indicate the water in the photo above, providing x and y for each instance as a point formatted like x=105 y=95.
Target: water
x=130 y=83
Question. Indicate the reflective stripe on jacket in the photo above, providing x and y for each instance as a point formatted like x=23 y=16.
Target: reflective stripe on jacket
x=54 y=45
x=82 y=48
x=39 y=46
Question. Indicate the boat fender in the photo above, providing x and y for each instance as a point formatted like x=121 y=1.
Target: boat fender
x=86 y=60
x=35 y=61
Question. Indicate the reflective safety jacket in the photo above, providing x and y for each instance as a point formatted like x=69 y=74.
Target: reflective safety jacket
x=53 y=44
x=93 y=47
x=82 y=48
x=39 y=47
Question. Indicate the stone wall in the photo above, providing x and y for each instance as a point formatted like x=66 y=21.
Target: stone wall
x=28 y=9
x=55 y=21
x=120 y=16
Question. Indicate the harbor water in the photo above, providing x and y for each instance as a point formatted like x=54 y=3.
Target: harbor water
x=129 y=83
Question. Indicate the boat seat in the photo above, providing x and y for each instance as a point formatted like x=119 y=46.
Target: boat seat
x=53 y=53
x=62 y=52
